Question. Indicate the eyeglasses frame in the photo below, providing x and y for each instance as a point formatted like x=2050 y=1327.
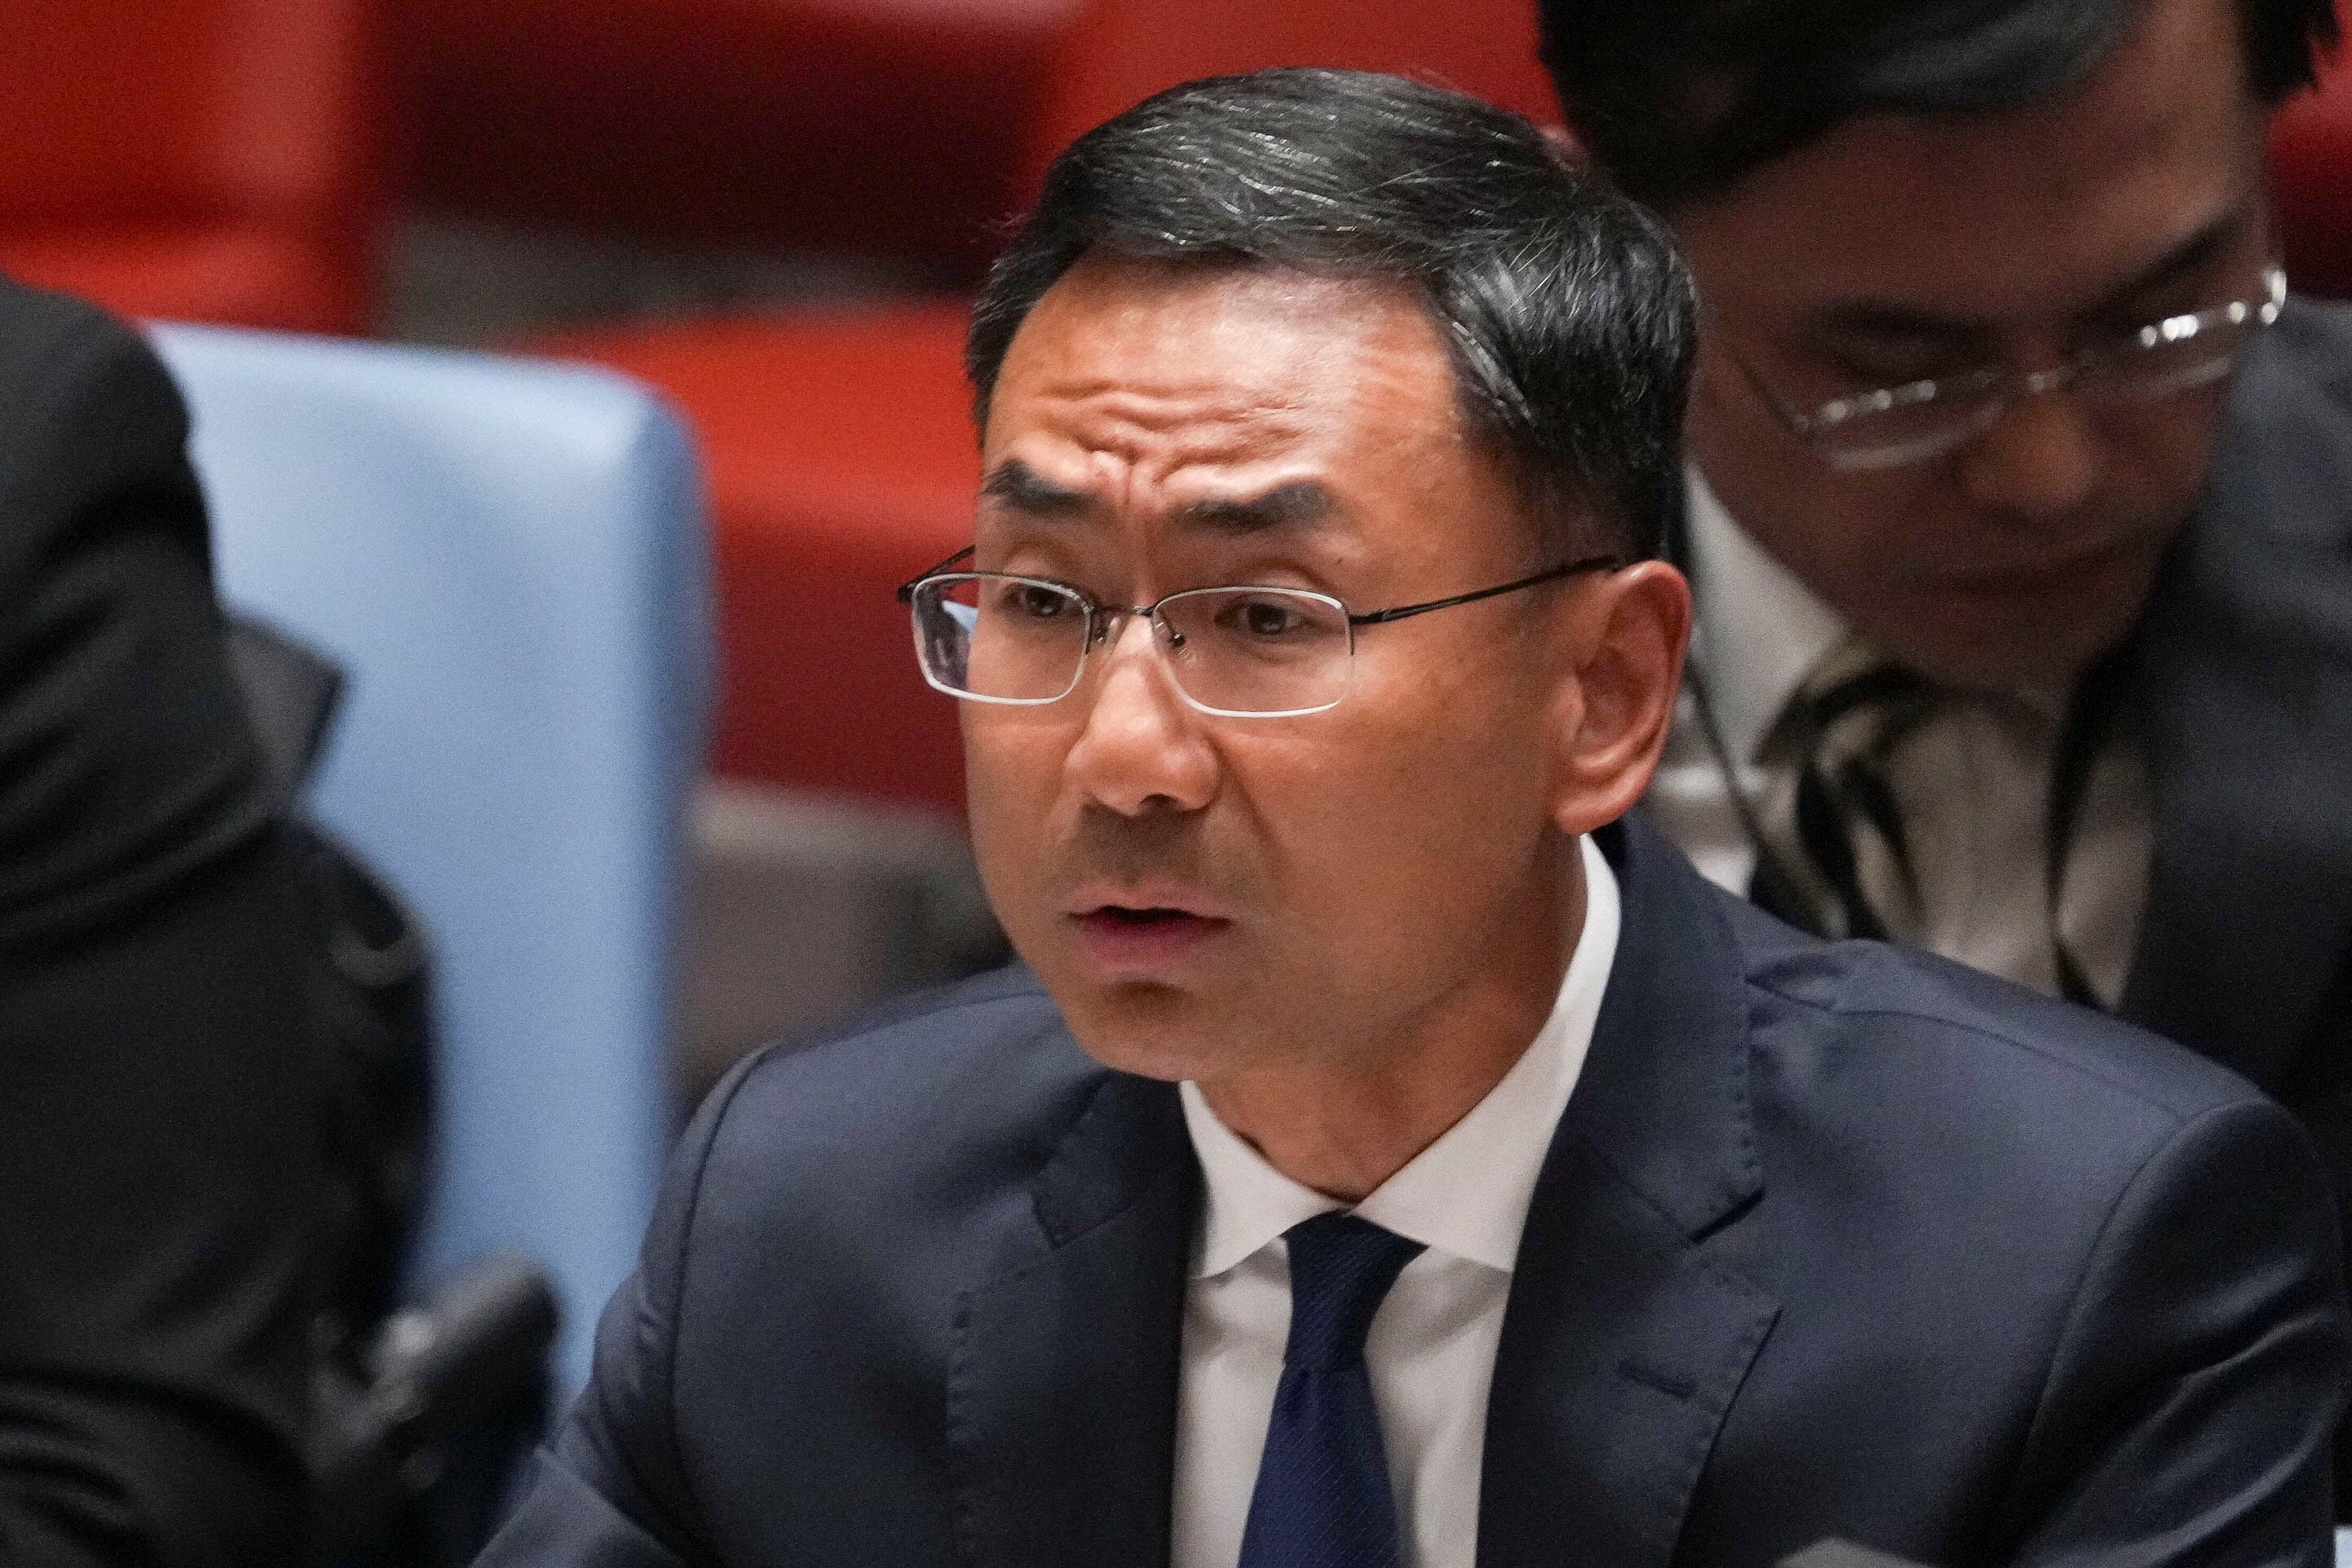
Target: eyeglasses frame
x=1100 y=617
x=2005 y=386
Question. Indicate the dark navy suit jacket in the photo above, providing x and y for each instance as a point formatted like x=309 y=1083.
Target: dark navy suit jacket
x=2239 y=683
x=1831 y=1240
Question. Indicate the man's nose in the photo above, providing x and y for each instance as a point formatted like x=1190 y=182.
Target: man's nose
x=1143 y=747
x=2039 y=461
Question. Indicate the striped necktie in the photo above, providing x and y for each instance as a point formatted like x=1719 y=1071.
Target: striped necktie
x=1840 y=864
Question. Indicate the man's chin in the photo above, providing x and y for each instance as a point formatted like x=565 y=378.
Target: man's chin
x=1149 y=1029
x=1134 y=1025
x=1984 y=641
x=1962 y=665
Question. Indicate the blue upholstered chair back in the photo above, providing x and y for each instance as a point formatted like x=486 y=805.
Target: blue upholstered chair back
x=508 y=560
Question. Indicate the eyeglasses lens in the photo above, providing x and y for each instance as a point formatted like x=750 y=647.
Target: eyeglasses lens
x=1887 y=438
x=1899 y=424
x=1911 y=433
x=2144 y=375
x=1232 y=650
x=1007 y=639
x=1258 y=650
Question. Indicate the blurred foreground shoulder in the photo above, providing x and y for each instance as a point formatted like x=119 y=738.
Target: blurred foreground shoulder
x=159 y=1127
x=131 y=763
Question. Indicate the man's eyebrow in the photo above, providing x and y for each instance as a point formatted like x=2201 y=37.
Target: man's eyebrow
x=2183 y=260
x=1301 y=501
x=1887 y=321
x=1896 y=323
x=1017 y=485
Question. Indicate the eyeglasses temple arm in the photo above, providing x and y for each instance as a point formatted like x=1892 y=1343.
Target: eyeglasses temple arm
x=907 y=588
x=1567 y=569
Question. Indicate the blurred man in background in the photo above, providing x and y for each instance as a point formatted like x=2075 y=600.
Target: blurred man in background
x=2019 y=502
x=160 y=1126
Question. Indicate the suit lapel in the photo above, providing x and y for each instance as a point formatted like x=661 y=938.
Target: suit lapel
x=1062 y=1391
x=2248 y=738
x=1622 y=1346
x=1625 y=1343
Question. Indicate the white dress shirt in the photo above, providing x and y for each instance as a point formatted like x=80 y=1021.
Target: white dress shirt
x=1972 y=782
x=1431 y=1352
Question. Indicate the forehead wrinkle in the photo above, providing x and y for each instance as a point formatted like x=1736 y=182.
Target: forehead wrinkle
x=1113 y=412
x=1134 y=442
x=1178 y=410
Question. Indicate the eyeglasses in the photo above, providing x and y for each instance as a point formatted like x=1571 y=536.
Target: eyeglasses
x=1922 y=419
x=1236 y=652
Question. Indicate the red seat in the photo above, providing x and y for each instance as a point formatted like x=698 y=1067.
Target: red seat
x=2311 y=178
x=208 y=159
x=875 y=125
x=840 y=449
x=841 y=461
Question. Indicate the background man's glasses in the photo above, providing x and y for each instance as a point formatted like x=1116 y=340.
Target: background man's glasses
x=1236 y=652
x=1921 y=419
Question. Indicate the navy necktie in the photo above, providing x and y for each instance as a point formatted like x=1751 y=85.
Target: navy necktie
x=1323 y=1497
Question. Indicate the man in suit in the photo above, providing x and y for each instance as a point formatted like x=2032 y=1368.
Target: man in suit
x=2024 y=624
x=159 y=1109
x=1388 y=1152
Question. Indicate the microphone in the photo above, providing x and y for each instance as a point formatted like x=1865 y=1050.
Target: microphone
x=475 y=1354
x=465 y=1355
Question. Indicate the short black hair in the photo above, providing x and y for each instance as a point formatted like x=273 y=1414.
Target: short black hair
x=1679 y=99
x=1566 y=309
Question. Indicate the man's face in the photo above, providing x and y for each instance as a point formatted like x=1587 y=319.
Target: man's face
x=1900 y=248
x=1209 y=895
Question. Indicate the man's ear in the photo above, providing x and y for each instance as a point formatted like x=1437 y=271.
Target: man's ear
x=1631 y=628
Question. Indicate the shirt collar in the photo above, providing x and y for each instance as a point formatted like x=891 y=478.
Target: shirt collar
x=1466 y=1193
x=1760 y=631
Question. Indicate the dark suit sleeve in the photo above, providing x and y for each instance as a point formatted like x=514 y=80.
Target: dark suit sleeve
x=2187 y=1412
x=157 y=1131
x=611 y=1491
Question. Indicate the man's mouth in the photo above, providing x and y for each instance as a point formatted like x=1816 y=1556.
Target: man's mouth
x=2072 y=568
x=1138 y=939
